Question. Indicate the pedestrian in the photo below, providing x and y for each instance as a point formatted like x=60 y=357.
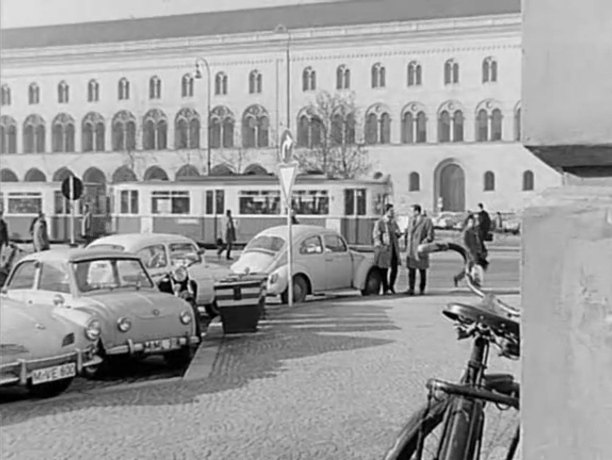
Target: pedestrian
x=484 y=224
x=230 y=236
x=499 y=222
x=87 y=225
x=420 y=230
x=477 y=252
x=386 y=236
x=40 y=234
x=294 y=220
x=4 y=238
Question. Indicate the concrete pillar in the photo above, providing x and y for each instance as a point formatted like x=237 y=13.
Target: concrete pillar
x=566 y=405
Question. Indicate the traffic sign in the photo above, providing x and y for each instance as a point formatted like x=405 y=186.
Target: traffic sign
x=286 y=175
x=286 y=142
x=72 y=188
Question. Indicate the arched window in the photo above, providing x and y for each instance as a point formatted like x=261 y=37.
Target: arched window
x=63 y=93
x=8 y=175
x=124 y=132
x=451 y=72
x=377 y=125
x=154 y=87
x=62 y=133
x=309 y=79
x=482 y=126
x=489 y=120
x=343 y=77
x=220 y=84
x=414 y=124
x=378 y=76
x=221 y=128
x=517 y=124
x=342 y=128
x=34 y=134
x=187 y=129
x=93 y=91
x=450 y=122
x=496 y=125
x=5 y=95
x=489 y=70
x=489 y=181
x=407 y=128
x=255 y=82
x=8 y=134
x=414 y=182
x=310 y=131
x=187 y=85
x=444 y=127
x=255 y=126
x=414 y=74
x=458 y=126
x=528 y=181
x=93 y=133
x=33 y=94
x=123 y=89
x=155 y=130
x=35 y=175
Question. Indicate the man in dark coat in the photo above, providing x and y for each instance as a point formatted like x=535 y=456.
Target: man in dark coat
x=230 y=236
x=484 y=223
x=420 y=230
x=4 y=238
x=386 y=248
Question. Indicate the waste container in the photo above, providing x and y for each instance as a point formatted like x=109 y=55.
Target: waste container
x=241 y=301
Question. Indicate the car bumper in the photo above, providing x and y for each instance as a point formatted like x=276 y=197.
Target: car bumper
x=20 y=371
x=132 y=347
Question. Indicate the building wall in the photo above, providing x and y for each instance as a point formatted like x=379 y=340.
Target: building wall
x=430 y=43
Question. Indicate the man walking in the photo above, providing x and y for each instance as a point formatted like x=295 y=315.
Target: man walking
x=484 y=224
x=230 y=235
x=87 y=225
x=386 y=248
x=420 y=230
x=4 y=238
x=40 y=234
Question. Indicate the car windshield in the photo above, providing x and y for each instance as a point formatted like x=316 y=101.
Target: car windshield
x=184 y=253
x=265 y=243
x=109 y=247
x=110 y=273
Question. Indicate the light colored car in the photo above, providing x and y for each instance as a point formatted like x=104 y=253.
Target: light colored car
x=44 y=348
x=136 y=319
x=159 y=252
x=448 y=220
x=322 y=261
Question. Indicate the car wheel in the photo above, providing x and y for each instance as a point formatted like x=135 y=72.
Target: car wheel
x=300 y=290
x=180 y=358
x=48 y=390
x=373 y=283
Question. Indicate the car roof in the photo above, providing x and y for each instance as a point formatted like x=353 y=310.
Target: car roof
x=297 y=231
x=132 y=239
x=77 y=255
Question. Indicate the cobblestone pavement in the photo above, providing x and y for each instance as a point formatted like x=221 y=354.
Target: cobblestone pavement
x=325 y=380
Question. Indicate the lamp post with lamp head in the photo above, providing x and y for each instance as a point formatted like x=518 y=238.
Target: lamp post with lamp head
x=199 y=75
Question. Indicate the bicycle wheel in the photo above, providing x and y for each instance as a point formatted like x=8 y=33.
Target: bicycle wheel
x=498 y=438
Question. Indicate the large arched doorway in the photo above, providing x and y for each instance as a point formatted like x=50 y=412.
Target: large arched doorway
x=450 y=186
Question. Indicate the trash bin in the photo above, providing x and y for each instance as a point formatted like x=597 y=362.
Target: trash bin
x=241 y=301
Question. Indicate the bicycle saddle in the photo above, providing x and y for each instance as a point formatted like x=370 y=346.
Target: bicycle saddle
x=486 y=312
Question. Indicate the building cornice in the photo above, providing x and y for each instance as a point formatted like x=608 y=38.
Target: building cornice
x=301 y=40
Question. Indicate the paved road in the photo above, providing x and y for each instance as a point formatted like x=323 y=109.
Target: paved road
x=324 y=380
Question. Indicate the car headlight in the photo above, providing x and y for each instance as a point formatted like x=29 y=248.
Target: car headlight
x=93 y=330
x=180 y=274
x=185 y=317
x=124 y=324
x=273 y=278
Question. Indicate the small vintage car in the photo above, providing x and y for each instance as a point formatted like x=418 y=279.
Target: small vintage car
x=322 y=261
x=136 y=319
x=161 y=252
x=44 y=348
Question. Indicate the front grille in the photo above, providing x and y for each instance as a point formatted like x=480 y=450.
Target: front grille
x=68 y=340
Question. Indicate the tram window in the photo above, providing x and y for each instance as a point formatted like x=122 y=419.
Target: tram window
x=349 y=202
x=62 y=204
x=129 y=202
x=170 y=202
x=259 y=202
x=210 y=202
x=311 y=202
x=215 y=198
x=24 y=203
x=220 y=201
x=361 y=201
x=354 y=197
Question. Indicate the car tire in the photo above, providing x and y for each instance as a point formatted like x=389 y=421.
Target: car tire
x=48 y=390
x=180 y=358
x=300 y=290
x=373 y=283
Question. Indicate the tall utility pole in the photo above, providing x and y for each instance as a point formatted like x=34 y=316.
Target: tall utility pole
x=198 y=75
x=282 y=29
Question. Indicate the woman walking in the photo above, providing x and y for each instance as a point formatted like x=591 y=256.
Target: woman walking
x=477 y=252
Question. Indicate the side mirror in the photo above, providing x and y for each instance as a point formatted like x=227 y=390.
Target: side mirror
x=58 y=300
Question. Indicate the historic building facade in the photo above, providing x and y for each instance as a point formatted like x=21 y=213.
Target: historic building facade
x=439 y=105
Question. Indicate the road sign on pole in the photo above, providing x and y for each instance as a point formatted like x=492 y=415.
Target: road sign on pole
x=287 y=173
x=72 y=189
x=286 y=143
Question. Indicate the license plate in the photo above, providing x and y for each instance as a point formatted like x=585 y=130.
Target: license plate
x=154 y=346
x=50 y=374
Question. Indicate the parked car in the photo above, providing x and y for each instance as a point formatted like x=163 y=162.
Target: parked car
x=160 y=252
x=44 y=348
x=322 y=261
x=449 y=220
x=136 y=319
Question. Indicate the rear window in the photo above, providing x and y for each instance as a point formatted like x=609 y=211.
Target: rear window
x=265 y=243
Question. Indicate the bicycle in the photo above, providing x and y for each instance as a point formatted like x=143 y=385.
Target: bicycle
x=459 y=408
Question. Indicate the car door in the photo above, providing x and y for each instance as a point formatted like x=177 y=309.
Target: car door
x=155 y=260
x=20 y=285
x=310 y=256
x=338 y=262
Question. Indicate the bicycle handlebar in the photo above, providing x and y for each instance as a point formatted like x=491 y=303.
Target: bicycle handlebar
x=462 y=251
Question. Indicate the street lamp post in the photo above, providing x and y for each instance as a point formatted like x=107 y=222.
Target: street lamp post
x=198 y=75
x=282 y=29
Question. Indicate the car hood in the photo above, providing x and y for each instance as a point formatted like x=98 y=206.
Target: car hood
x=138 y=304
x=255 y=262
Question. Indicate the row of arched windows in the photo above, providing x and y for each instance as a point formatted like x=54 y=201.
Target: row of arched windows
x=414 y=181
x=414 y=77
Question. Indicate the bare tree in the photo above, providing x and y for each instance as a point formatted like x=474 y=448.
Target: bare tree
x=326 y=138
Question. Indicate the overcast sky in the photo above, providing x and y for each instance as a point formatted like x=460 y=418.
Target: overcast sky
x=25 y=13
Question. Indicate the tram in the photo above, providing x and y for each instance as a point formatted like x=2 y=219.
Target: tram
x=196 y=206
x=22 y=201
